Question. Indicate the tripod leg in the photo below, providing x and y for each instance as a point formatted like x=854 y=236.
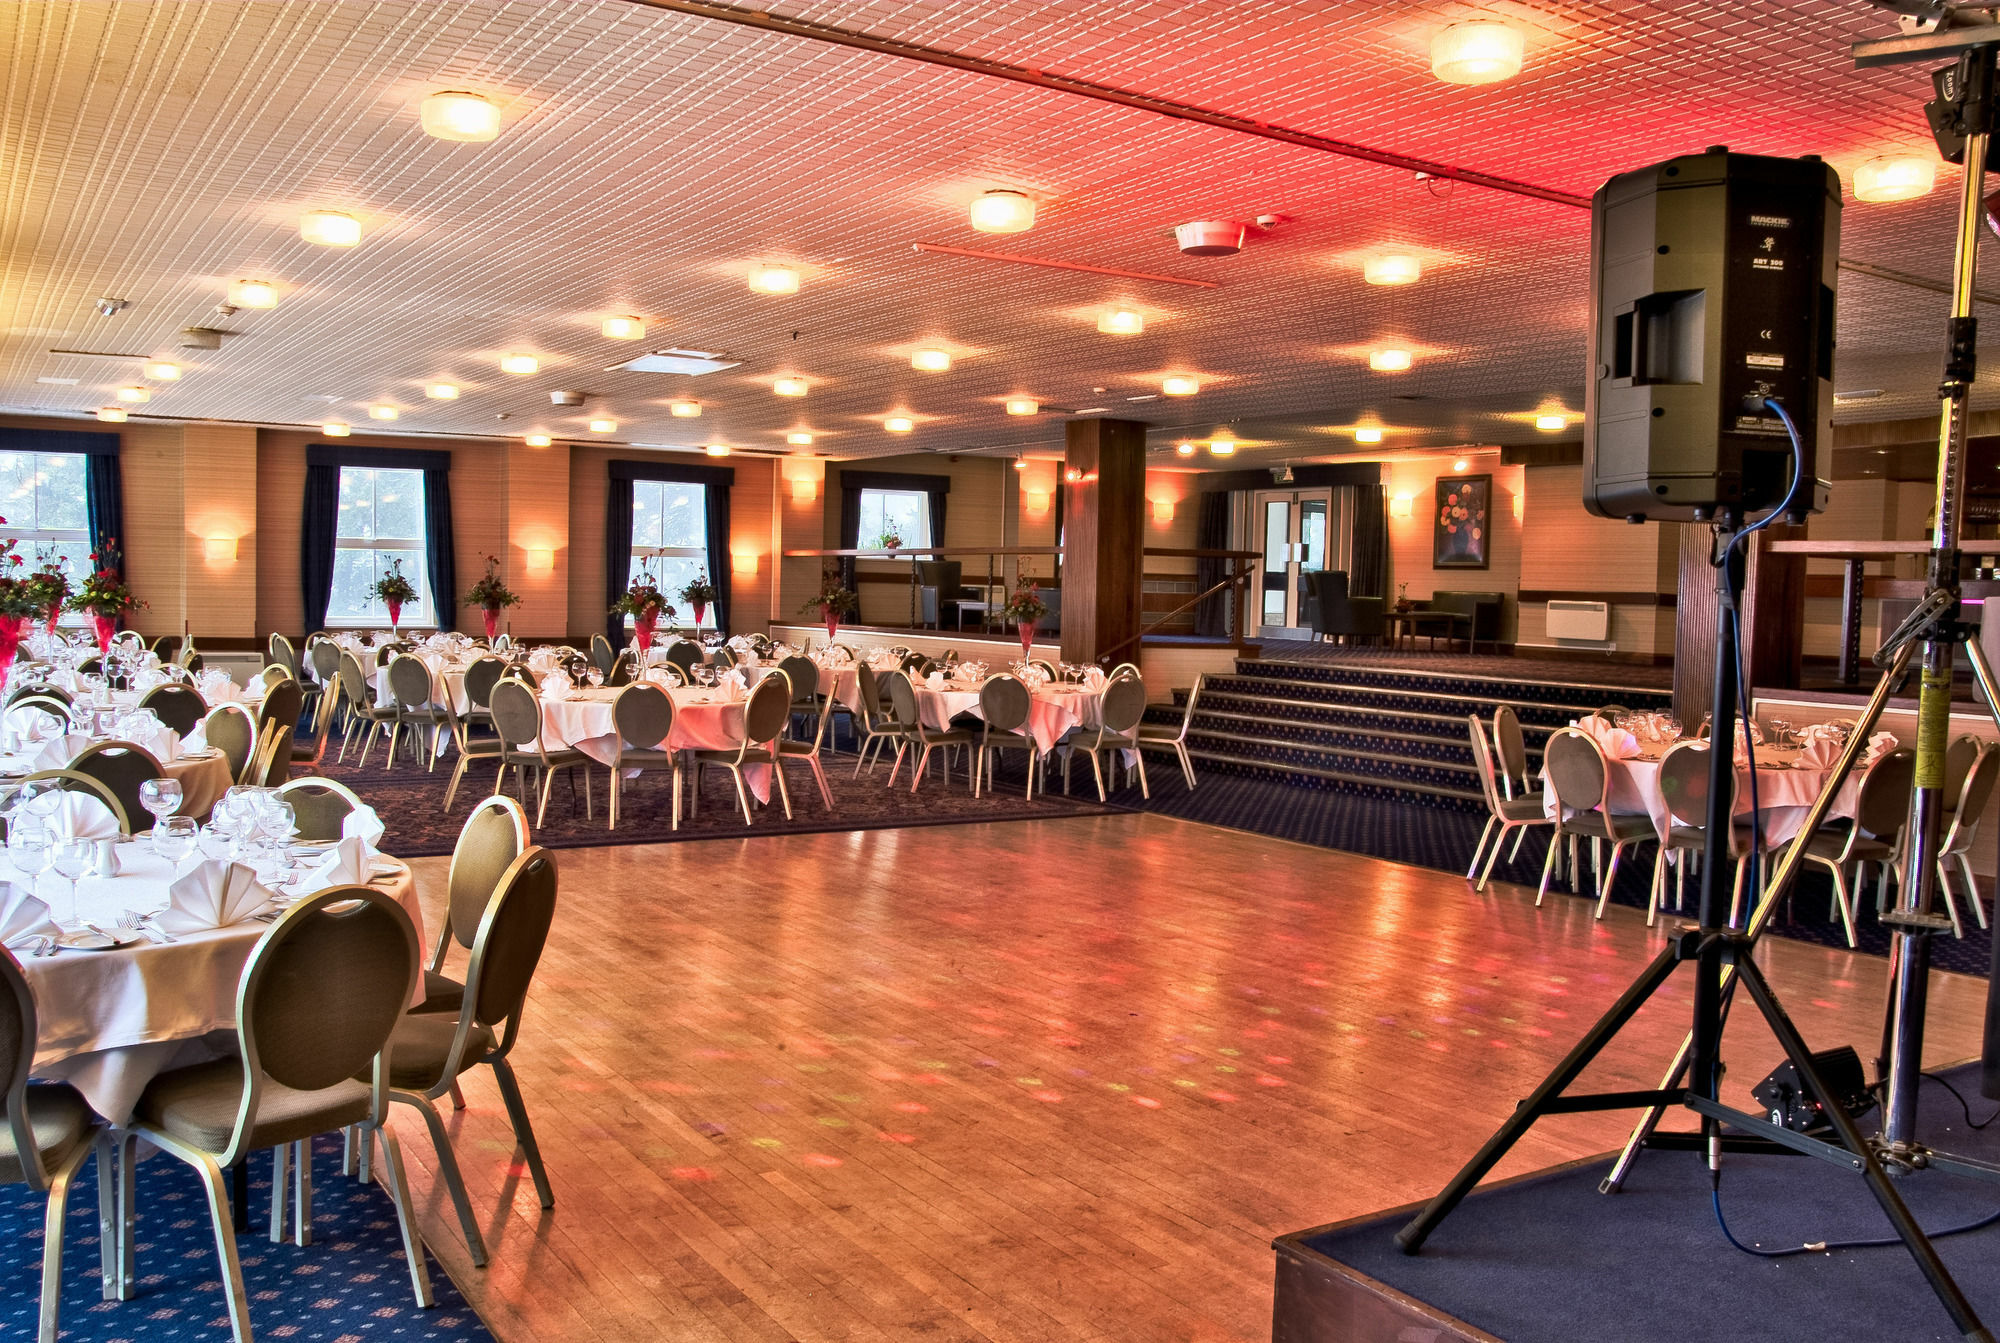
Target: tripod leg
x=1921 y=1249
x=1411 y=1238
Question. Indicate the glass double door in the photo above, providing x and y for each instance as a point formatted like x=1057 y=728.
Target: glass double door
x=1298 y=530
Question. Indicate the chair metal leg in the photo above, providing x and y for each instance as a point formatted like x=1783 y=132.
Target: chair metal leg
x=280 y=1161
x=1840 y=898
x=677 y=794
x=1097 y=772
x=225 y=1232
x=107 y=1217
x=454 y=1179
x=1971 y=889
x=1736 y=891
x=1610 y=875
x=917 y=773
x=784 y=793
x=1659 y=885
x=1491 y=856
x=819 y=776
x=1950 y=898
x=457 y=773
x=1479 y=849
x=1145 y=789
x=524 y=1132
x=548 y=782
x=406 y=1215
x=742 y=793
x=302 y=1193
x=979 y=763
x=128 y=1215
x=1187 y=763
x=457 y=1096
x=53 y=1221
x=1548 y=867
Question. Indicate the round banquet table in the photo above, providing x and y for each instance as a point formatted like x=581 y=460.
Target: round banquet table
x=1784 y=792
x=446 y=679
x=1052 y=709
x=204 y=778
x=111 y=1021
x=703 y=721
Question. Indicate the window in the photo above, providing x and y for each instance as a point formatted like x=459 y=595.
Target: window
x=42 y=498
x=381 y=521
x=670 y=539
x=905 y=514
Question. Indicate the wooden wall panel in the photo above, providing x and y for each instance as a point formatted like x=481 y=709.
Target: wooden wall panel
x=1410 y=538
x=978 y=513
x=281 y=487
x=588 y=611
x=219 y=499
x=537 y=513
x=153 y=469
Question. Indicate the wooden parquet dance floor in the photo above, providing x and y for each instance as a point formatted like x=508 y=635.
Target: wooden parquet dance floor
x=1045 y=1080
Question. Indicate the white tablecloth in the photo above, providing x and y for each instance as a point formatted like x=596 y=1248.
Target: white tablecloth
x=702 y=721
x=446 y=679
x=1784 y=794
x=111 y=1021
x=203 y=779
x=1052 y=710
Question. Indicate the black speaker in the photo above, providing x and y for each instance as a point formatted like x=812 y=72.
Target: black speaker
x=1712 y=287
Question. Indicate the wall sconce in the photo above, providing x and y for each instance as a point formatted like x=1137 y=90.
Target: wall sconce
x=1037 y=502
x=743 y=563
x=804 y=489
x=219 y=549
x=541 y=559
x=1072 y=474
x=1163 y=510
x=1520 y=505
x=1399 y=506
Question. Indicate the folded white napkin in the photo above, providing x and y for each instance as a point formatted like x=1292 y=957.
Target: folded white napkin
x=1615 y=742
x=196 y=740
x=221 y=691
x=76 y=816
x=213 y=894
x=30 y=727
x=159 y=741
x=1820 y=753
x=23 y=915
x=556 y=686
x=1879 y=745
x=146 y=680
x=935 y=680
x=1094 y=678
x=541 y=660
x=345 y=864
x=57 y=752
x=363 y=824
x=732 y=685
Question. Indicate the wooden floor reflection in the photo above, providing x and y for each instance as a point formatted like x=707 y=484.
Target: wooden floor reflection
x=1048 y=1080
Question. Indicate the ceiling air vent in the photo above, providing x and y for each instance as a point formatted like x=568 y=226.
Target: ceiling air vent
x=694 y=362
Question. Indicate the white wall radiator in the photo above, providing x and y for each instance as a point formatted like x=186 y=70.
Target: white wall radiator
x=1579 y=620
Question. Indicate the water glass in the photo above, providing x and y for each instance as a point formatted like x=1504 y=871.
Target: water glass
x=174 y=838
x=161 y=797
x=72 y=859
x=28 y=843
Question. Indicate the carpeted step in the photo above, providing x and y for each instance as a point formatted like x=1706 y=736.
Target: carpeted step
x=1455 y=703
x=1323 y=776
x=1436 y=727
x=1427 y=776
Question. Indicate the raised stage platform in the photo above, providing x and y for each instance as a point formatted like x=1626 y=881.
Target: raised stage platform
x=1546 y=1258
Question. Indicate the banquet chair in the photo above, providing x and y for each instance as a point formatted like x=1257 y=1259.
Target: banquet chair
x=517 y=717
x=1510 y=749
x=167 y=647
x=54 y=692
x=470 y=748
x=361 y=707
x=36 y=699
x=684 y=654
x=724 y=657
x=320 y=807
x=1046 y=667
x=790 y=749
x=46 y=1131
x=669 y=674
x=1609 y=711
x=308 y=754
x=480 y=677
x=273 y=675
x=1123 y=669
x=503 y=643
x=1874 y=835
x=75 y=781
x=802 y=674
x=121 y=766
x=1004 y=704
x=488 y=843
x=1120 y=710
x=764 y=718
x=430 y=1051
x=411 y=689
x=280 y=653
x=283 y=703
x=602 y=654
x=1684 y=786
x=1959 y=757
x=644 y=716
x=180 y=707
x=1582 y=782
x=325 y=659
x=1509 y=813
x=1162 y=737
x=910 y=720
x=621 y=670
x=316 y=1004
x=90 y=666
x=1968 y=809
x=272 y=765
x=231 y=730
x=875 y=727
x=389 y=652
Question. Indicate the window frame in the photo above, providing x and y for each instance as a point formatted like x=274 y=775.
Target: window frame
x=33 y=538
x=420 y=545
x=923 y=499
x=641 y=554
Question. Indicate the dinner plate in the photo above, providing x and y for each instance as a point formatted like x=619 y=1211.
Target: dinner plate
x=89 y=941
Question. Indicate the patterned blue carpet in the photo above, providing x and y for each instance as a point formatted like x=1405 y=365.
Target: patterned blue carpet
x=1437 y=838
x=349 y=1286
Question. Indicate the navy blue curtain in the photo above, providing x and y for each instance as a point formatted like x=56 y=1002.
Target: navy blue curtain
x=1211 y=614
x=319 y=524
x=715 y=482
x=104 y=496
x=1371 y=542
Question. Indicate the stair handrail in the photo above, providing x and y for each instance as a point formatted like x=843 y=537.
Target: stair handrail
x=1237 y=579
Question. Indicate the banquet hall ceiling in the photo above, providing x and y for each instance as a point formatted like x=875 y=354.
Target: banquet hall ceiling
x=158 y=152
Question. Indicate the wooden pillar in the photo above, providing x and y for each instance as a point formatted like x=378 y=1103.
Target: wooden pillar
x=1773 y=619
x=1104 y=466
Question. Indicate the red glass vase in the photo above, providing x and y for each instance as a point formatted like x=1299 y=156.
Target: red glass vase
x=491 y=615
x=395 y=615
x=106 y=627
x=10 y=643
x=700 y=609
x=643 y=625
x=55 y=614
x=1027 y=637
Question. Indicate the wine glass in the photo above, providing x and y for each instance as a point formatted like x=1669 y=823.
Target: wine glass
x=174 y=838
x=595 y=676
x=72 y=859
x=161 y=797
x=28 y=842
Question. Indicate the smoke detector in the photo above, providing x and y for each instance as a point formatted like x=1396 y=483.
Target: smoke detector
x=1209 y=237
x=565 y=398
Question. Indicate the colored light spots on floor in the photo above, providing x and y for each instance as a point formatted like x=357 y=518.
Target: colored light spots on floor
x=822 y=1160
x=1267 y=1080
x=885 y=1074
x=1276 y=1060
x=911 y=1107
x=847 y=1097
x=904 y=1138
x=1046 y=1096
x=1223 y=1096
x=1229 y=1053
x=1185 y=1082
x=1118 y=1087
x=696 y=1174
x=1029 y=1081
x=769 y=1144
x=832 y=1121
x=1146 y=1101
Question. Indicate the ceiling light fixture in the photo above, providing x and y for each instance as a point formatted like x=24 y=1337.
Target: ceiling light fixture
x=799 y=440
x=538 y=440
x=774 y=280
x=111 y=414
x=624 y=328
x=1392 y=268
x=162 y=371
x=1023 y=405
x=931 y=361
x=899 y=424
x=603 y=426
x=717 y=449
x=135 y=395
x=1480 y=52
x=329 y=228
x=789 y=387
x=1222 y=446
x=1391 y=360
x=1020 y=463
x=1551 y=423
x=1368 y=434
x=253 y=294
x=1179 y=386
x=384 y=413
x=1122 y=322
x=335 y=429
x=457 y=115
x=442 y=391
x=1184 y=448
x=519 y=364
x=1002 y=211
x=1894 y=177
x=685 y=410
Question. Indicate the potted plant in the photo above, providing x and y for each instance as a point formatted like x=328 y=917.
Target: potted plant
x=394 y=588
x=645 y=603
x=491 y=595
x=49 y=585
x=698 y=594
x=890 y=539
x=20 y=601
x=1403 y=602
x=105 y=596
x=831 y=602
x=1024 y=608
